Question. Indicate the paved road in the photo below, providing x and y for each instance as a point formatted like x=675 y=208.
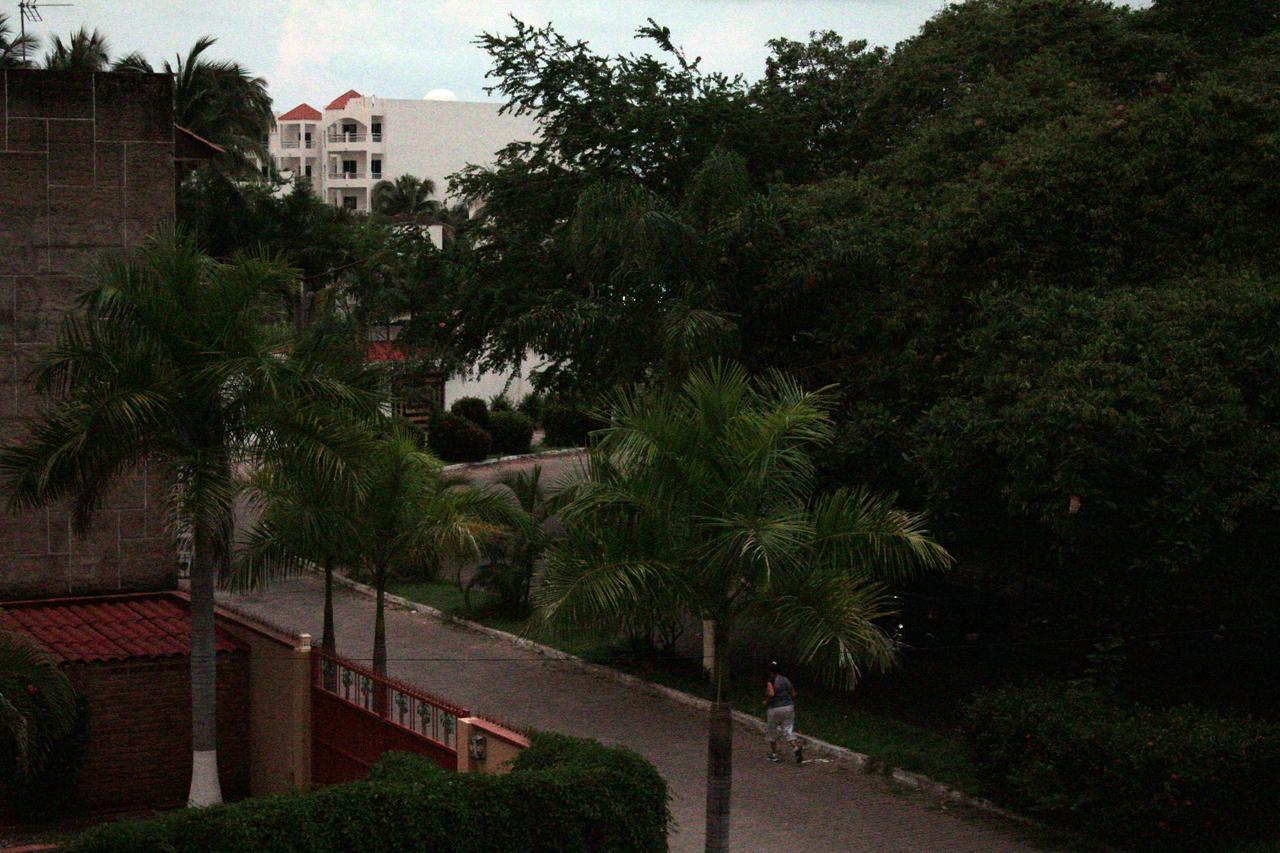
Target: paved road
x=815 y=807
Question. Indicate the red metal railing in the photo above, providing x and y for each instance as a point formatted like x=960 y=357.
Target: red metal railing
x=357 y=715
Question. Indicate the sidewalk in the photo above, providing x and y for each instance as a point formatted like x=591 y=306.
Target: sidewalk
x=815 y=807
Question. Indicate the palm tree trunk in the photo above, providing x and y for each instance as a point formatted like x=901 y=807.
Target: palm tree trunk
x=205 y=789
x=719 y=747
x=380 y=645
x=328 y=641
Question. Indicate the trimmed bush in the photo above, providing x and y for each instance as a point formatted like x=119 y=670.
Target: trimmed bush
x=501 y=404
x=562 y=794
x=473 y=409
x=531 y=405
x=1175 y=779
x=568 y=426
x=456 y=439
x=512 y=432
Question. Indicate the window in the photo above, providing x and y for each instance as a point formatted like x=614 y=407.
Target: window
x=349 y=202
x=349 y=167
x=306 y=170
x=376 y=128
x=307 y=138
x=349 y=130
x=375 y=167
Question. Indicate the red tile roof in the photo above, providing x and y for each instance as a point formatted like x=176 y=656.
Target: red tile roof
x=340 y=102
x=109 y=627
x=302 y=112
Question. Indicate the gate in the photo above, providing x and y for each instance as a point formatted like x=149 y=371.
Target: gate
x=356 y=715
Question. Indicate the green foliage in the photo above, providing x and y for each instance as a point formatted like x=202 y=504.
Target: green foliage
x=501 y=403
x=37 y=705
x=36 y=793
x=456 y=439
x=407 y=196
x=1177 y=779
x=512 y=432
x=563 y=794
x=531 y=405
x=473 y=409
x=568 y=425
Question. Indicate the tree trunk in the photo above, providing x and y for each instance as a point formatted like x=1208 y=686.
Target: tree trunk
x=205 y=789
x=328 y=641
x=380 y=646
x=719 y=748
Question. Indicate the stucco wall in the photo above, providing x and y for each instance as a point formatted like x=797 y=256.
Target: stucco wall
x=87 y=166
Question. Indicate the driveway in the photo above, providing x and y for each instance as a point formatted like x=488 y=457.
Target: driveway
x=819 y=806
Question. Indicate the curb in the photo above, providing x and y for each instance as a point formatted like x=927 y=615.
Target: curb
x=519 y=457
x=862 y=761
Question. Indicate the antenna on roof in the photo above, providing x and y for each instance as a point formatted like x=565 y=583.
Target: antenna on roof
x=29 y=10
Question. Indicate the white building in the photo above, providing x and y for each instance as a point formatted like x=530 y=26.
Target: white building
x=359 y=140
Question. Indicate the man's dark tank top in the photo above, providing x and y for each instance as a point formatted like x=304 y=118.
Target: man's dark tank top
x=782 y=692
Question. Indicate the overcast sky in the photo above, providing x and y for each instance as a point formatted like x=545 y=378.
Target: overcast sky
x=313 y=50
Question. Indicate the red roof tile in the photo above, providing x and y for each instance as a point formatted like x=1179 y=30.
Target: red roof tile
x=302 y=112
x=340 y=102
x=109 y=627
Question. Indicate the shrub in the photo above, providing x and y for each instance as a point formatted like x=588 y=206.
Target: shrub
x=562 y=794
x=38 y=795
x=567 y=426
x=473 y=409
x=532 y=405
x=512 y=432
x=1175 y=779
x=500 y=403
x=455 y=439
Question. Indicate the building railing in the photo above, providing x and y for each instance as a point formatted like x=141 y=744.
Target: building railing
x=294 y=143
x=394 y=701
x=337 y=174
x=352 y=136
x=376 y=175
x=376 y=136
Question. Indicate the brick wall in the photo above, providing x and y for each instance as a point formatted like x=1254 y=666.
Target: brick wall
x=139 y=750
x=86 y=167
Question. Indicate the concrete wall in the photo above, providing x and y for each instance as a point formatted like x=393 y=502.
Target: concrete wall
x=86 y=166
x=513 y=384
x=501 y=746
x=279 y=703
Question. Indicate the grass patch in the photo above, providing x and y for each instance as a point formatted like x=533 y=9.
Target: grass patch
x=826 y=715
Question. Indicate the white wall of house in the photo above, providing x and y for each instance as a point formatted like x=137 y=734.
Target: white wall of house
x=512 y=384
x=370 y=139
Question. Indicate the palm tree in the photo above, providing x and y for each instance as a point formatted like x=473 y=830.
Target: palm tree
x=702 y=499
x=407 y=196
x=83 y=51
x=13 y=51
x=219 y=100
x=411 y=514
x=180 y=361
x=37 y=702
x=514 y=556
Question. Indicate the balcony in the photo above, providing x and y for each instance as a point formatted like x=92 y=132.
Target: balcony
x=352 y=136
x=341 y=175
x=296 y=143
x=376 y=175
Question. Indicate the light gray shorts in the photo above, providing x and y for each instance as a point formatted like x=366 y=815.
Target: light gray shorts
x=781 y=723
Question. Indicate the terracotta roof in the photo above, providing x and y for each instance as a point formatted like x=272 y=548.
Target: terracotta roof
x=302 y=112
x=109 y=627
x=383 y=351
x=189 y=145
x=340 y=102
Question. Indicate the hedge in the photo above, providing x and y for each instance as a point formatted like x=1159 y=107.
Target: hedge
x=455 y=439
x=567 y=426
x=1173 y=779
x=563 y=794
x=473 y=409
x=512 y=432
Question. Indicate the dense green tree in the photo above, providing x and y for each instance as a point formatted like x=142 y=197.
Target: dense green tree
x=37 y=702
x=703 y=499
x=173 y=360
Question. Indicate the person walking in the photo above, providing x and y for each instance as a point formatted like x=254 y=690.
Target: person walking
x=780 y=714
